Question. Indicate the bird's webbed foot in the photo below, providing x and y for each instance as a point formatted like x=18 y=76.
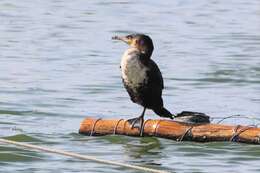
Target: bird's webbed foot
x=137 y=123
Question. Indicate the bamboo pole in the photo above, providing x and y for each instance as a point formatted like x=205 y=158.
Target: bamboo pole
x=173 y=130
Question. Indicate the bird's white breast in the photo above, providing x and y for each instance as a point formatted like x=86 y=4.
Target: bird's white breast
x=133 y=71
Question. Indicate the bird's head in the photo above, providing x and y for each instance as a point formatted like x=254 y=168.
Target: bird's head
x=140 y=41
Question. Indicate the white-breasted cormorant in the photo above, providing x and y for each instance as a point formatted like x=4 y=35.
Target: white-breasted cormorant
x=142 y=77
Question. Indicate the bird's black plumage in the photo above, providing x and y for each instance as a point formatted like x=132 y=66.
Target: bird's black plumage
x=141 y=75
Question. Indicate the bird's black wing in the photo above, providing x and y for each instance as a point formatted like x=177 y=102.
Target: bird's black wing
x=152 y=92
x=152 y=89
x=154 y=74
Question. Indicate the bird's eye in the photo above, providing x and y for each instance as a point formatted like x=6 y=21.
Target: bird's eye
x=141 y=42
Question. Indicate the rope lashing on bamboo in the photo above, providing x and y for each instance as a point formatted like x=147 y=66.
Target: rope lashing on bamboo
x=117 y=125
x=170 y=129
x=79 y=156
x=93 y=127
x=188 y=131
x=237 y=132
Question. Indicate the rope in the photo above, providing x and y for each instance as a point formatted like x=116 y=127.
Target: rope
x=93 y=127
x=237 y=132
x=233 y=116
x=80 y=156
x=116 y=126
x=188 y=131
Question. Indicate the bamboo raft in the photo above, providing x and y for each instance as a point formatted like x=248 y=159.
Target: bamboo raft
x=173 y=130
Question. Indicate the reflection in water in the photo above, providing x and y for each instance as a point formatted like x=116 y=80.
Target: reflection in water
x=146 y=150
x=144 y=147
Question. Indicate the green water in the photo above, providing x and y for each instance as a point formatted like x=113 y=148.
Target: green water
x=59 y=65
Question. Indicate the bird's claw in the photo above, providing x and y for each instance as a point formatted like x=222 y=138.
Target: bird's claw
x=137 y=123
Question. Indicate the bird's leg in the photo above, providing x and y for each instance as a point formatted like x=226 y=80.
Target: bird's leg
x=138 y=122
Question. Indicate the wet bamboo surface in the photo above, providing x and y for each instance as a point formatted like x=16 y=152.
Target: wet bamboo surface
x=173 y=130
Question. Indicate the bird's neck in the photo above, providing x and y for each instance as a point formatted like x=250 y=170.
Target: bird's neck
x=143 y=54
x=147 y=55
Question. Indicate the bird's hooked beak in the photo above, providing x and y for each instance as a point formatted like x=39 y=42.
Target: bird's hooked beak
x=128 y=40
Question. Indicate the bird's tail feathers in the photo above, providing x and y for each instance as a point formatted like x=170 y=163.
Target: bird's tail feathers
x=162 y=112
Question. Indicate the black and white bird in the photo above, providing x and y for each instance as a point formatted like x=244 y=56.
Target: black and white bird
x=142 y=77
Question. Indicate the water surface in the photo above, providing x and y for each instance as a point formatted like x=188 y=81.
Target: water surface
x=58 y=65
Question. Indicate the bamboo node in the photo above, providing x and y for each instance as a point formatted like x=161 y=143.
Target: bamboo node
x=142 y=130
x=124 y=127
x=156 y=127
x=93 y=127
